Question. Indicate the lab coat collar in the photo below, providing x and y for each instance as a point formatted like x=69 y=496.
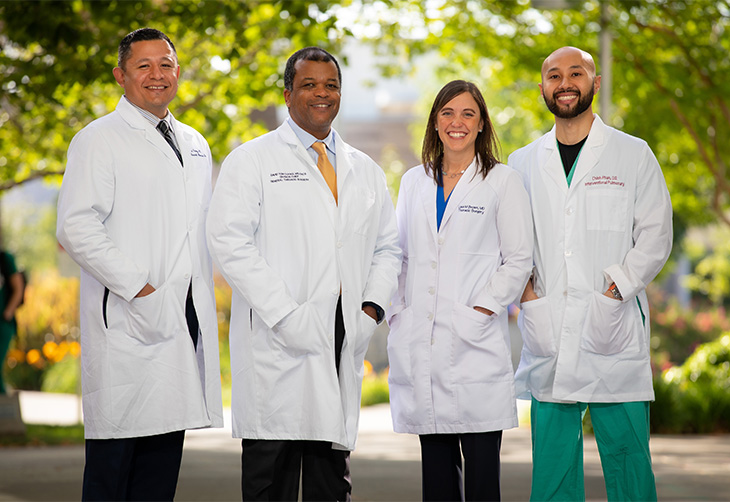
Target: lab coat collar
x=589 y=155
x=470 y=179
x=136 y=121
x=343 y=152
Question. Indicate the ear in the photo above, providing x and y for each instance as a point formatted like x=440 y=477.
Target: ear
x=119 y=76
x=597 y=83
x=287 y=96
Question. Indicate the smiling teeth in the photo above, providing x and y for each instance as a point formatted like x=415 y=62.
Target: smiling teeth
x=566 y=98
x=457 y=134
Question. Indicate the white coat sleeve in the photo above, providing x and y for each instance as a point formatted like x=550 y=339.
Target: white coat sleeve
x=401 y=215
x=386 y=261
x=514 y=227
x=652 y=232
x=85 y=201
x=233 y=217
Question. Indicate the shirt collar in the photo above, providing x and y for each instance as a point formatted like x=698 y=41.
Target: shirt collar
x=151 y=117
x=307 y=139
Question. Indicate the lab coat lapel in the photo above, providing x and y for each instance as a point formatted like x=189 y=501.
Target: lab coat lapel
x=344 y=167
x=427 y=192
x=552 y=164
x=136 y=121
x=300 y=151
x=591 y=151
x=470 y=179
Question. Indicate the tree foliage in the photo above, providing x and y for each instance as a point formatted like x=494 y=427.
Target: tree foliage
x=56 y=59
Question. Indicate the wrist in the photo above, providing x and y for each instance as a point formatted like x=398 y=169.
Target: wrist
x=613 y=289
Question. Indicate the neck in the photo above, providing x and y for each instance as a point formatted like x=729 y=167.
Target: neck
x=571 y=131
x=455 y=162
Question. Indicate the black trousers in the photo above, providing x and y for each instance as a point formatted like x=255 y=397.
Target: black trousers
x=271 y=471
x=143 y=468
x=441 y=466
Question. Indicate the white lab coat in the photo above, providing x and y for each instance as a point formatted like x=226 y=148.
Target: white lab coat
x=614 y=224
x=287 y=250
x=450 y=366
x=129 y=214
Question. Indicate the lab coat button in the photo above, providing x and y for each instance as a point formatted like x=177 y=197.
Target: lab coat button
x=430 y=317
x=569 y=211
x=187 y=277
x=335 y=291
x=339 y=244
x=441 y=240
x=434 y=264
x=568 y=253
x=431 y=291
x=433 y=341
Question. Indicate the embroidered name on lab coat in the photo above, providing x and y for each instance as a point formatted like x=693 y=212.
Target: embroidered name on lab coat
x=288 y=176
x=468 y=208
x=604 y=180
x=194 y=152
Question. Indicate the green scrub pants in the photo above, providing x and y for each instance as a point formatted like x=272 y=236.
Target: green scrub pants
x=622 y=435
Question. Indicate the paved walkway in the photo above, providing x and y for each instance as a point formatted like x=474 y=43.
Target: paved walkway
x=385 y=466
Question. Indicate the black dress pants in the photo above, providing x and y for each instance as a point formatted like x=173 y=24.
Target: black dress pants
x=271 y=471
x=441 y=466
x=142 y=468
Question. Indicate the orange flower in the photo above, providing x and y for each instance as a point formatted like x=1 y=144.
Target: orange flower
x=49 y=350
x=33 y=356
x=368 y=368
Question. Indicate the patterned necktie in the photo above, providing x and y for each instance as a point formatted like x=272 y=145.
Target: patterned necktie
x=167 y=133
x=324 y=165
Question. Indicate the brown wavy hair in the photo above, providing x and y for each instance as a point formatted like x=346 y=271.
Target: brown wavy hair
x=486 y=146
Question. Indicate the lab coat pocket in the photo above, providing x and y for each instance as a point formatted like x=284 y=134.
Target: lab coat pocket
x=606 y=210
x=367 y=328
x=479 y=352
x=152 y=317
x=400 y=347
x=536 y=325
x=607 y=329
x=301 y=332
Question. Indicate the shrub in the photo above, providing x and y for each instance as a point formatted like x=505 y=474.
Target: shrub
x=695 y=397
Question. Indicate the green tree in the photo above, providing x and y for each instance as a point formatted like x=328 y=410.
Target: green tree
x=669 y=86
x=56 y=59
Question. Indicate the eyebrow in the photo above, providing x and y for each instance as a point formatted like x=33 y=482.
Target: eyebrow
x=555 y=68
x=448 y=108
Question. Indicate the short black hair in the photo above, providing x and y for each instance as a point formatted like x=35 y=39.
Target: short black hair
x=307 y=54
x=142 y=34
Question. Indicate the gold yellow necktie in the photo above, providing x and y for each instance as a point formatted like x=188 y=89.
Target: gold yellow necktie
x=325 y=167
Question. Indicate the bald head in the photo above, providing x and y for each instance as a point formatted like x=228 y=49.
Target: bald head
x=575 y=57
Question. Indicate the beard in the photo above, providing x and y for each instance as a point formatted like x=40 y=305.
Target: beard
x=584 y=102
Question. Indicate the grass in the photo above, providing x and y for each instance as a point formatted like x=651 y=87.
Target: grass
x=45 y=435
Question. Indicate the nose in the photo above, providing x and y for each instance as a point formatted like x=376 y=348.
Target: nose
x=321 y=91
x=156 y=72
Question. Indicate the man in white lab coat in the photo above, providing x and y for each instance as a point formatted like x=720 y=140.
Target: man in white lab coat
x=603 y=231
x=131 y=213
x=303 y=228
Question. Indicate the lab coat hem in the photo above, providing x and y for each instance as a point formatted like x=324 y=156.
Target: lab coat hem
x=336 y=444
x=451 y=428
x=95 y=433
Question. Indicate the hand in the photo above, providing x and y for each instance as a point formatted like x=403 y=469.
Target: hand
x=483 y=310
x=370 y=310
x=146 y=290
x=8 y=314
x=529 y=293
